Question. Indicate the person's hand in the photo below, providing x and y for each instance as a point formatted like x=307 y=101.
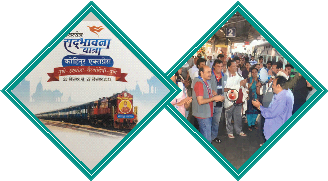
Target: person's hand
x=183 y=101
x=218 y=98
x=188 y=99
x=186 y=83
x=187 y=103
x=214 y=93
x=222 y=98
x=243 y=83
x=285 y=72
x=256 y=103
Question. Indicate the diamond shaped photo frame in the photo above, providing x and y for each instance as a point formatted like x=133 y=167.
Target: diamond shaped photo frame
x=90 y=8
x=239 y=173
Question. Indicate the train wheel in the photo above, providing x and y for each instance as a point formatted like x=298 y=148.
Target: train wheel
x=118 y=125
x=111 y=124
x=115 y=125
x=125 y=125
x=99 y=123
x=106 y=124
x=93 y=122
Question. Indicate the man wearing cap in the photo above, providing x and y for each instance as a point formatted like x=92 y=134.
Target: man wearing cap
x=209 y=61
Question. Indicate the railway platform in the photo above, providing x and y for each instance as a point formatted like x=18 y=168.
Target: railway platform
x=239 y=149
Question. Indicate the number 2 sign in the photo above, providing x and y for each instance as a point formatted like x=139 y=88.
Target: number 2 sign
x=230 y=32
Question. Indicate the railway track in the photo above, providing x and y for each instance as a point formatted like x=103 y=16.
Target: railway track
x=86 y=128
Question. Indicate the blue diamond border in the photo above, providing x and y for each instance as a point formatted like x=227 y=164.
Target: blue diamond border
x=321 y=91
x=91 y=7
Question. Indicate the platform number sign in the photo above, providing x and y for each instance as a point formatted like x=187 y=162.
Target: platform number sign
x=230 y=32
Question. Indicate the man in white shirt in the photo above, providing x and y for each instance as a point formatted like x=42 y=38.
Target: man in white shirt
x=252 y=61
x=209 y=61
x=233 y=80
x=194 y=68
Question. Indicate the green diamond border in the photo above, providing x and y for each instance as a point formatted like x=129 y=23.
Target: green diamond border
x=91 y=7
x=321 y=91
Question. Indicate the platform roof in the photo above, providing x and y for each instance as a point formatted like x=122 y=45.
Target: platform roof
x=244 y=32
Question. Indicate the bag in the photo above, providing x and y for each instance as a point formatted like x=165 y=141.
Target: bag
x=240 y=97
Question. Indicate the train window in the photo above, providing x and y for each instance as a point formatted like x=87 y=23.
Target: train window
x=103 y=104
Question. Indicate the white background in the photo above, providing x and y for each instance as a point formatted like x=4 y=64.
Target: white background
x=164 y=30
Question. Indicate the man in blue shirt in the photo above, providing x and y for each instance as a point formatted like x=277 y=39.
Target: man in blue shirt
x=217 y=85
x=279 y=110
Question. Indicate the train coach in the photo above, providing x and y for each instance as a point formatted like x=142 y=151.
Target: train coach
x=116 y=111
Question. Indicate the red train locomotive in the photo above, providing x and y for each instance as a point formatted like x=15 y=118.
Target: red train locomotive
x=116 y=111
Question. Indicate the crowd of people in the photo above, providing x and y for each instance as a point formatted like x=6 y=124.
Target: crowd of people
x=209 y=85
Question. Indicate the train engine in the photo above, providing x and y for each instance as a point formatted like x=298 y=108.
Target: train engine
x=125 y=115
x=116 y=111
